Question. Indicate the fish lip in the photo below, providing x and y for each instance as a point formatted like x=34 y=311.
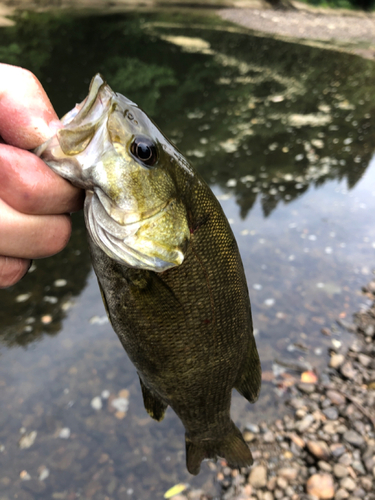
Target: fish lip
x=120 y=216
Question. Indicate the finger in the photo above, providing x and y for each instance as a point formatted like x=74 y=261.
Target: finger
x=12 y=270
x=29 y=186
x=32 y=236
x=27 y=116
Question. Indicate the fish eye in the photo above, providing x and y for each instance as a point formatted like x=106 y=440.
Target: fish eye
x=144 y=150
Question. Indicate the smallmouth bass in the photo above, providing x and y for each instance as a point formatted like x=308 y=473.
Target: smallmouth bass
x=168 y=268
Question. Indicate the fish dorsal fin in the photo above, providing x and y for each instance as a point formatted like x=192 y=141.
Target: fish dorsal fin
x=154 y=406
x=250 y=374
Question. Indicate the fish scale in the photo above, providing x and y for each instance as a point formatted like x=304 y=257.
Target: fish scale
x=172 y=281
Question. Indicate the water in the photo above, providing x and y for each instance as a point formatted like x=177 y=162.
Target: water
x=284 y=134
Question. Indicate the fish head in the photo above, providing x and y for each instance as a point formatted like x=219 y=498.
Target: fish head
x=133 y=208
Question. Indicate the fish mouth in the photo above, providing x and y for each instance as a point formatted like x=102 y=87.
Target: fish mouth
x=124 y=217
x=136 y=243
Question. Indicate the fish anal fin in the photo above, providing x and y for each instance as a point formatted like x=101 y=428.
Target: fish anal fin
x=154 y=406
x=232 y=447
x=249 y=377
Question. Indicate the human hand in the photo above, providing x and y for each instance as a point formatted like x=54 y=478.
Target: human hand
x=34 y=201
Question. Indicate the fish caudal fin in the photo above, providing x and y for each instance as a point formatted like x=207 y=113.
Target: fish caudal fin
x=232 y=447
x=250 y=375
x=154 y=406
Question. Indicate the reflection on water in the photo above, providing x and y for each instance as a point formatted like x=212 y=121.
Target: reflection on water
x=285 y=135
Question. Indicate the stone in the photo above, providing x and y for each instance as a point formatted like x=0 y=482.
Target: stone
x=306 y=388
x=364 y=360
x=258 y=476
x=367 y=483
x=340 y=471
x=336 y=361
x=289 y=473
x=321 y=486
x=331 y=413
x=282 y=483
x=337 y=449
x=319 y=449
x=341 y=494
x=267 y=495
x=324 y=466
x=269 y=437
x=297 y=440
x=336 y=398
x=354 y=438
x=348 y=484
x=348 y=370
x=305 y=423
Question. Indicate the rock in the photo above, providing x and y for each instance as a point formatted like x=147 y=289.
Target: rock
x=34 y=486
x=367 y=483
x=336 y=398
x=252 y=428
x=267 y=495
x=288 y=473
x=341 y=494
x=282 y=483
x=350 y=327
x=340 y=471
x=27 y=440
x=307 y=388
x=321 y=486
x=324 y=466
x=331 y=412
x=258 y=476
x=364 y=360
x=337 y=449
x=248 y=436
x=348 y=370
x=354 y=438
x=336 y=360
x=269 y=437
x=297 y=440
x=347 y=483
x=319 y=449
x=305 y=423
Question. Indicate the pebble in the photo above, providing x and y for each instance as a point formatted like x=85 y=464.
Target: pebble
x=331 y=412
x=27 y=440
x=336 y=360
x=289 y=473
x=336 y=398
x=319 y=449
x=96 y=403
x=321 y=486
x=64 y=433
x=348 y=370
x=305 y=423
x=258 y=476
x=347 y=483
x=354 y=438
x=340 y=471
x=341 y=494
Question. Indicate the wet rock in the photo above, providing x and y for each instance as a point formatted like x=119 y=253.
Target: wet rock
x=258 y=476
x=321 y=486
x=340 y=471
x=354 y=438
x=34 y=486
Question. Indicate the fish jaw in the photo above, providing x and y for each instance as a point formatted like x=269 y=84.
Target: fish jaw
x=154 y=244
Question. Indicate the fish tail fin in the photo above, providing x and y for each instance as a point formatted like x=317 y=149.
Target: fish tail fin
x=154 y=406
x=232 y=447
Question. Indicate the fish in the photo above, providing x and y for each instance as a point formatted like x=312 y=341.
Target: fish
x=168 y=267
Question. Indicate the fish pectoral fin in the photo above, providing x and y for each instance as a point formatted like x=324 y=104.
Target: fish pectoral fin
x=232 y=448
x=249 y=377
x=154 y=406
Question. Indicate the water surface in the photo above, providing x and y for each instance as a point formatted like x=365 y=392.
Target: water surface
x=285 y=135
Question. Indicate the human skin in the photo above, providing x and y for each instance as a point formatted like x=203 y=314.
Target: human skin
x=34 y=201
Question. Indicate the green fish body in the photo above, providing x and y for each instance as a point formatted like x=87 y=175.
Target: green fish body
x=168 y=267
